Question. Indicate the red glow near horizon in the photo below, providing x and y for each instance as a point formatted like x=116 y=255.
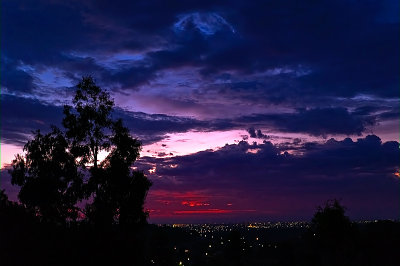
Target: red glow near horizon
x=164 y=204
x=210 y=211
x=193 y=203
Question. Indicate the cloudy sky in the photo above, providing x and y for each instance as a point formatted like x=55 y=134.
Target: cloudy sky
x=247 y=110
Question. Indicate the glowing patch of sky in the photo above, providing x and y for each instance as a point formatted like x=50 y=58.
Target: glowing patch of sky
x=387 y=130
x=179 y=144
x=193 y=141
x=8 y=152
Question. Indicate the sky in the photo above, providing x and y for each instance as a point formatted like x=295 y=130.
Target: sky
x=247 y=110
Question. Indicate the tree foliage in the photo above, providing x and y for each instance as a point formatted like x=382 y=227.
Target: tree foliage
x=48 y=176
x=62 y=168
x=87 y=121
x=330 y=226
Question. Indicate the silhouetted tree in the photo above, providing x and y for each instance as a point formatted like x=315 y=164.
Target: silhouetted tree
x=121 y=192
x=4 y=202
x=87 y=122
x=12 y=213
x=48 y=176
x=333 y=234
x=52 y=170
x=118 y=192
x=128 y=188
x=330 y=223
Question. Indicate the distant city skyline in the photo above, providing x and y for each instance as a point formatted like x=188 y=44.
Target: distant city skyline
x=247 y=110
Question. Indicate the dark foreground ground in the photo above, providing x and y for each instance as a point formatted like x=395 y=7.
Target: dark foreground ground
x=27 y=242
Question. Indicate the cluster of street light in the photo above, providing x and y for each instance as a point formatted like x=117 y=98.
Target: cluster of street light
x=210 y=228
x=217 y=235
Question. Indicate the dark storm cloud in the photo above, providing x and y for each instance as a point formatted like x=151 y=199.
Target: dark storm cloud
x=326 y=162
x=49 y=33
x=38 y=31
x=392 y=114
x=367 y=109
x=341 y=41
x=14 y=78
x=360 y=172
x=151 y=128
x=317 y=121
x=257 y=133
x=380 y=112
x=345 y=46
x=21 y=116
x=349 y=48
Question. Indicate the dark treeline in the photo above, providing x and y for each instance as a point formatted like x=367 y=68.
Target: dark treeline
x=76 y=208
x=331 y=239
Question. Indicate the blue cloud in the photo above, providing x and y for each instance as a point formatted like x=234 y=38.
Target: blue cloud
x=206 y=23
